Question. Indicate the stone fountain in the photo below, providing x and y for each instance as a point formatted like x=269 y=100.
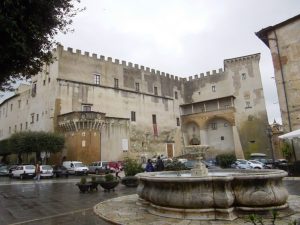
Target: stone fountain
x=215 y=195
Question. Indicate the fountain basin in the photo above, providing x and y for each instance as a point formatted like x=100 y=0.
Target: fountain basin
x=220 y=195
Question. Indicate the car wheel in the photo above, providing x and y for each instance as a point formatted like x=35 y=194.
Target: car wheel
x=256 y=168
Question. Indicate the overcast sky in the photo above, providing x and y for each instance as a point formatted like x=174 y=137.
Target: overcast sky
x=181 y=37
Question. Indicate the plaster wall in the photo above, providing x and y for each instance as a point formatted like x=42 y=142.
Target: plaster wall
x=287 y=42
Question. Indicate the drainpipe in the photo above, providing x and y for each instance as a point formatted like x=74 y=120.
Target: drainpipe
x=284 y=90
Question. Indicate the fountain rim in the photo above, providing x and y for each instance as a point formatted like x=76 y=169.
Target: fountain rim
x=236 y=174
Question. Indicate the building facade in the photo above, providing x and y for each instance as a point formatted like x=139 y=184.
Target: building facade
x=109 y=109
x=283 y=40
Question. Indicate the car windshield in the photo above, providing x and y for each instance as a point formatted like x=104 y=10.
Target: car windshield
x=46 y=167
x=30 y=167
x=78 y=165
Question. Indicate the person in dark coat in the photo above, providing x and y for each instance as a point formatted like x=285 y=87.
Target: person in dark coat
x=159 y=164
x=149 y=166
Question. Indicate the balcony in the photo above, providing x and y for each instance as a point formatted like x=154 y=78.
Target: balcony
x=85 y=120
x=216 y=106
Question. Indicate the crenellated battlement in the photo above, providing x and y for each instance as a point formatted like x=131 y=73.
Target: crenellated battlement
x=205 y=75
x=151 y=71
x=243 y=58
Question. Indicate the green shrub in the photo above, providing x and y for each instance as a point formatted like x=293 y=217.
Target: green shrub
x=93 y=179
x=132 y=167
x=109 y=177
x=83 y=180
x=225 y=160
x=175 y=166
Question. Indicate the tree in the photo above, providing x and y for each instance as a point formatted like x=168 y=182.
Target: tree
x=286 y=150
x=4 y=150
x=35 y=141
x=27 y=29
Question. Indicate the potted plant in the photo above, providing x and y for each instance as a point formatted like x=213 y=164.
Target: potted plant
x=83 y=185
x=131 y=168
x=109 y=183
x=94 y=184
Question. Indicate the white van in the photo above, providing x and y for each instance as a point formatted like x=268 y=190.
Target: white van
x=75 y=167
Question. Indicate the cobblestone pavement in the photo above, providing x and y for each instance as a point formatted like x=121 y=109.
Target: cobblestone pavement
x=58 y=201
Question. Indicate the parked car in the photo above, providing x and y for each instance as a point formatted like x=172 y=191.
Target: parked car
x=245 y=164
x=256 y=164
x=60 y=171
x=46 y=171
x=190 y=164
x=99 y=167
x=76 y=167
x=115 y=166
x=11 y=168
x=24 y=171
x=4 y=170
x=241 y=164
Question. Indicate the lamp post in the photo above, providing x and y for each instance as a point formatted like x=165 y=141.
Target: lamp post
x=270 y=135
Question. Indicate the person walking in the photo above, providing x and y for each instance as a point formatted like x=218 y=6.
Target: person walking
x=159 y=164
x=37 y=172
x=149 y=166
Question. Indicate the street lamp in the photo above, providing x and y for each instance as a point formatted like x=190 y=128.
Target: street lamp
x=270 y=135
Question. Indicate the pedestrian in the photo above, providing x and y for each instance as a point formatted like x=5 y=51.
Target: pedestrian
x=37 y=172
x=159 y=164
x=117 y=170
x=149 y=166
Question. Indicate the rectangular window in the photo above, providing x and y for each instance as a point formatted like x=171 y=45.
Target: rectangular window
x=155 y=131
x=32 y=118
x=86 y=108
x=243 y=76
x=11 y=107
x=222 y=138
x=15 y=128
x=116 y=83
x=97 y=79
x=137 y=86
x=133 y=116
x=248 y=105
x=49 y=79
x=44 y=82
x=177 y=122
x=153 y=119
x=26 y=125
x=33 y=90
x=213 y=126
x=37 y=117
x=19 y=103
x=213 y=88
x=155 y=91
x=176 y=95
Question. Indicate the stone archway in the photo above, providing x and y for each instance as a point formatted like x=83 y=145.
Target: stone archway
x=192 y=134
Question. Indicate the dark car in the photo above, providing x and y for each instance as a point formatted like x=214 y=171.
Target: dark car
x=60 y=171
x=190 y=164
x=4 y=170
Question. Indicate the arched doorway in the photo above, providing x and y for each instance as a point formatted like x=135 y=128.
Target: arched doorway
x=192 y=134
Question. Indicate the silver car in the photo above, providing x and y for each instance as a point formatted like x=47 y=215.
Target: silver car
x=99 y=167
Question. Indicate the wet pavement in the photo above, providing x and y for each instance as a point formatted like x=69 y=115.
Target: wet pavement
x=58 y=201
